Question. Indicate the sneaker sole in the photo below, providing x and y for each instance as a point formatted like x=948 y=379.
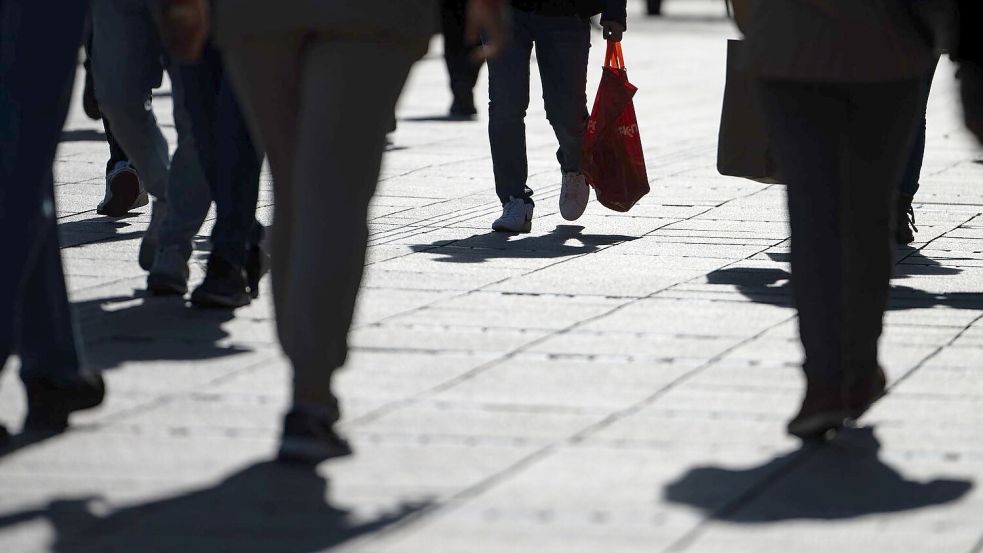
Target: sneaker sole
x=124 y=195
x=525 y=229
x=573 y=216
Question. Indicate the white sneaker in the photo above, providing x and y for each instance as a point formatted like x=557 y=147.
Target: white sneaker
x=516 y=217
x=574 y=195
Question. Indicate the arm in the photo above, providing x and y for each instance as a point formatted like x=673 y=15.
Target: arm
x=486 y=23
x=614 y=19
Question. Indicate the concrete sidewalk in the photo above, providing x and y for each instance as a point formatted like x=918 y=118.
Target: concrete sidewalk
x=618 y=384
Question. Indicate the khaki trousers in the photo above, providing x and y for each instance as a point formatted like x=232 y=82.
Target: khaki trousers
x=321 y=105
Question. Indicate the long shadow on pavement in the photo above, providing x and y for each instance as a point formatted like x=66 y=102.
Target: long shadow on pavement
x=263 y=507
x=842 y=479
x=100 y=229
x=774 y=286
x=125 y=329
x=122 y=329
x=563 y=241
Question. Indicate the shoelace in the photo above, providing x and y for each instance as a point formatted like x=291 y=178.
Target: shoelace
x=910 y=215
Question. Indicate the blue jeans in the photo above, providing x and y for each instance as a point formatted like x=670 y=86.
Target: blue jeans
x=38 y=55
x=127 y=65
x=562 y=46
x=913 y=169
x=228 y=158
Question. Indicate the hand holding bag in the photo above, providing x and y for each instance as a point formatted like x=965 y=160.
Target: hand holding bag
x=612 y=158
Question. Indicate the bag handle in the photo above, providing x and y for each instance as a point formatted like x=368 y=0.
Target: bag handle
x=614 y=58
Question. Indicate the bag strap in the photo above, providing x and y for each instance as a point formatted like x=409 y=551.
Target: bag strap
x=614 y=58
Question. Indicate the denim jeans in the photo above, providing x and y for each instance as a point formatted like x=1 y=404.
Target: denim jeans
x=842 y=149
x=38 y=55
x=562 y=46
x=913 y=169
x=127 y=65
x=229 y=160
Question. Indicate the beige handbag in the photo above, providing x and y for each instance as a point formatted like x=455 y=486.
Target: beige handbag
x=743 y=145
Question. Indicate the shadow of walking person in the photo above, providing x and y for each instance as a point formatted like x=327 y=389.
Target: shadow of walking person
x=262 y=508
x=562 y=241
x=842 y=479
x=774 y=285
x=123 y=329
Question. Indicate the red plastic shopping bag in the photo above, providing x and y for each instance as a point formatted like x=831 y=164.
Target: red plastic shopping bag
x=612 y=156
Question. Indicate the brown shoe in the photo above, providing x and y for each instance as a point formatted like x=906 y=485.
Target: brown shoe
x=823 y=409
x=864 y=391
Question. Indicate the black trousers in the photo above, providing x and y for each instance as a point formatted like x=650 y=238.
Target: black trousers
x=842 y=149
x=457 y=51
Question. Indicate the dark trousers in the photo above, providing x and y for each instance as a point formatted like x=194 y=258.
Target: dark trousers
x=457 y=51
x=913 y=169
x=37 y=68
x=228 y=158
x=562 y=46
x=842 y=149
x=116 y=153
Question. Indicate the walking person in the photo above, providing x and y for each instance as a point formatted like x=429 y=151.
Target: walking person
x=969 y=54
x=905 y=229
x=124 y=191
x=325 y=137
x=559 y=30
x=35 y=319
x=231 y=164
x=461 y=67
x=127 y=65
x=841 y=84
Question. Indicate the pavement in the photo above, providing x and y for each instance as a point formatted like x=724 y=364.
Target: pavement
x=617 y=384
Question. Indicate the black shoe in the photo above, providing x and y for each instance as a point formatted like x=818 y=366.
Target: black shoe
x=863 y=392
x=49 y=402
x=905 y=233
x=463 y=108
x=4 y=435
x=257 y=264
x=124 y=192
x=224 y=286
x=823 y=409
x=163 y=284
x=309 y=437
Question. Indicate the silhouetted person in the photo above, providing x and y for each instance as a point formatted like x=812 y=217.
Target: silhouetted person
x=319 y=82
x=462 y=69
x=905 y=229
x=970 y=57
x=231 y=165
x=840 y=84
x=38 y=55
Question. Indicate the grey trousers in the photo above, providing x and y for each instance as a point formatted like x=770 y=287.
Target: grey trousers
x=127 y=66
x=321 y=106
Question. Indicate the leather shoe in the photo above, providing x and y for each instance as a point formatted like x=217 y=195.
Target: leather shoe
x=49 y=401
x=823 y=409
